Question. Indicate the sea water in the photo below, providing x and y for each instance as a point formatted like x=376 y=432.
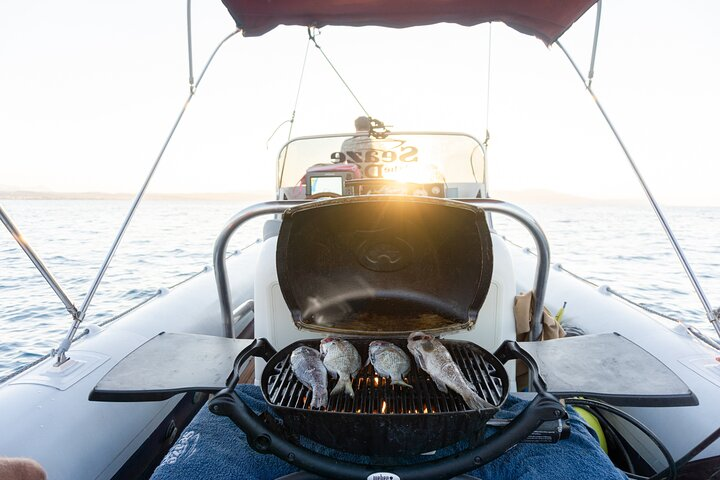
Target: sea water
x=168 y=241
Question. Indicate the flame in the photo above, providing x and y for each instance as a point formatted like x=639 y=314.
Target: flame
x=377 y=381
x=384 y=407
x=425 y=409
x=358 y=410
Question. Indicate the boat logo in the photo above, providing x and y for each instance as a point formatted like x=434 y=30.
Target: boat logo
x=384 y=254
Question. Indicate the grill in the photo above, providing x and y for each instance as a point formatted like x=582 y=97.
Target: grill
x=384 y=419
x=382 y=267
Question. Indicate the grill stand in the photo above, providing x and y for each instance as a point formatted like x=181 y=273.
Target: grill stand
x=544 y=407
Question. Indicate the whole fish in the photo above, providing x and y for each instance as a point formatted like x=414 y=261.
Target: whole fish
x=433 y=357
x=308 y=367
x=389 y=360
x=342 y=360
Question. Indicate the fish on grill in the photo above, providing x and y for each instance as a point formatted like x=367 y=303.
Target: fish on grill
x=342 y=361
x=433 y=357
x=308 y=367
x=389 y=360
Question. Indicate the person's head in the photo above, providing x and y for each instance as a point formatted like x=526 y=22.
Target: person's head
x=362 y=124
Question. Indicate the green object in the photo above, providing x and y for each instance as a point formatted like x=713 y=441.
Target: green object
x=559 y=314
x=592 y=422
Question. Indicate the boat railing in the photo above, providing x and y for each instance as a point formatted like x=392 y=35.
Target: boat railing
x=542 y=270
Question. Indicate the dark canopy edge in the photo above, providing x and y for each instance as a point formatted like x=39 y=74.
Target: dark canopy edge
x=545 y=19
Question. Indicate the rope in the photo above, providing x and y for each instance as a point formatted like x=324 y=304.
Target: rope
x=292 y=117
x=311 y=36
x=487 y=98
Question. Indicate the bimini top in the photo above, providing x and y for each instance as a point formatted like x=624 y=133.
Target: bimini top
x=545 y=19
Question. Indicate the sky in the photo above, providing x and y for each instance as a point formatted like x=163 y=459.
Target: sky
x=89 y=91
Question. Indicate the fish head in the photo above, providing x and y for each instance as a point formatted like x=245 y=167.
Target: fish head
x=326 y=344
x=305 y=351
x=417 y=340
x=419 y=337
x=375 y=344
x=374 y=347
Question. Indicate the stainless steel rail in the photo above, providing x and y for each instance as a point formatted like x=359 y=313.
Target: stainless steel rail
x=35 y=259
x=278 y=206
x=220 y=249
x=542 y=269
x=712 y=315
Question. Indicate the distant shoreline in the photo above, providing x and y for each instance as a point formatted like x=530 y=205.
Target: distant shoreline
x=533 y=196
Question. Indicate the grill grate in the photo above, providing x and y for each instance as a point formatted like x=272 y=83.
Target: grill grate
x=375 y=395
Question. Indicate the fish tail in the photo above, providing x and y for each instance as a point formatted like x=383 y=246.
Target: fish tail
x=401 y=382
x=349 y=389
x=474 y=401
x=319 y=398
x=343 y=384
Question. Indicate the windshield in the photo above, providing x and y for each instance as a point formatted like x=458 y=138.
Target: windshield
x=450 y=165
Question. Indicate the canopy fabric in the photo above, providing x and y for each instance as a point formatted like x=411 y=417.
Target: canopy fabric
x=545 y=19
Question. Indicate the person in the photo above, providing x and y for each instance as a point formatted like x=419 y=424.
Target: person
x=360 y=142
x=21 y=469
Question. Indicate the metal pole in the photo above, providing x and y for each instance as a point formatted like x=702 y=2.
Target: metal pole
x=35 y=259
x=190 y=50
x=542 y=269
x=713 y=315
x=220 y=249
x=591 y=72
x=65 y=344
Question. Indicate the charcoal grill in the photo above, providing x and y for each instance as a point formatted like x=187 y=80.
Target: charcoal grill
x=376 y=267
x=384 y=419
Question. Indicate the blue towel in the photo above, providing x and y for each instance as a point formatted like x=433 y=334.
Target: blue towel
x=213 y=447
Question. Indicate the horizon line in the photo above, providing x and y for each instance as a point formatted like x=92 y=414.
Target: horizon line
x=525 y=195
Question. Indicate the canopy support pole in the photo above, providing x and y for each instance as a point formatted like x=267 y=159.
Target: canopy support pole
x=35 y=259
x=190 y=49
x=591 y=72
x=712 y=315
x=65 y=344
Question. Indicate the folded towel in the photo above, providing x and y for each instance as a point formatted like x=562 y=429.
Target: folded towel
x=213 y=447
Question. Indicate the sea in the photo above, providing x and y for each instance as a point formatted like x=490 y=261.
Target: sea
x=621 y=246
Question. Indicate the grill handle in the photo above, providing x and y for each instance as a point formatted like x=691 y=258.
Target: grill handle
x=260 y=347
x=510 y=350
x=261 y=438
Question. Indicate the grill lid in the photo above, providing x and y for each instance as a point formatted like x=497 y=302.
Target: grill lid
x=384 y=265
